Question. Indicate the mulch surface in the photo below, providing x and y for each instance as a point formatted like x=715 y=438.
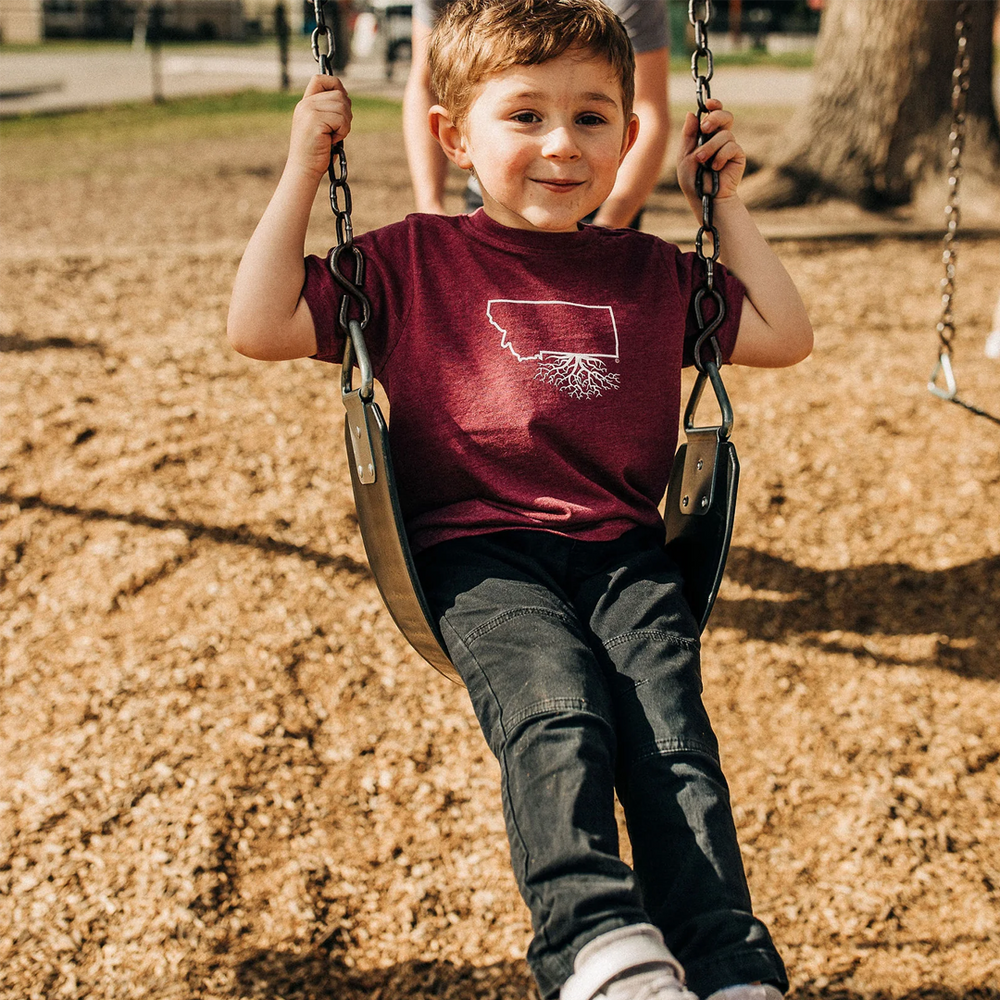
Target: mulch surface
x=224 y=775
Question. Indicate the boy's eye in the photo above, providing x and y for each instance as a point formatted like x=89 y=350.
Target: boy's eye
x=525 y=117
x=591 y=119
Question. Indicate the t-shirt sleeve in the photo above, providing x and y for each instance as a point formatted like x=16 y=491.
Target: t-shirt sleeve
x=645 y=21
x=322 y=296
x=732 y=292
x=385 y=282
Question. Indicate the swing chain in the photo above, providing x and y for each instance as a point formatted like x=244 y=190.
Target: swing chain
x=322 y=30
x=956 y=140
x=702 y=77
x=342 y=204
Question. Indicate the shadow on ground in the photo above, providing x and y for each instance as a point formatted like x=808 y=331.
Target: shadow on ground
x=881 y=599
x=11 y=343
x=238 y=535
x=320 y=976
x=887 y=599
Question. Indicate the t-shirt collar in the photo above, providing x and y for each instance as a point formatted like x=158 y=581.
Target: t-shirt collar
x=481 y=226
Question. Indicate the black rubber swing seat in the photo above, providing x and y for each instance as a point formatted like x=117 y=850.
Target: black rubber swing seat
x=700 y=506
x=699 y=513
x=380 y=515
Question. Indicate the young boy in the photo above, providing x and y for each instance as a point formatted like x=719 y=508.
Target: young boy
x=533 y=369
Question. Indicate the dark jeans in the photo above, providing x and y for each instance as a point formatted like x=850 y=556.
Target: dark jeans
x=582 y=662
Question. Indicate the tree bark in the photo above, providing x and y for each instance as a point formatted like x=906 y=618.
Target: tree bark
x=875 y=127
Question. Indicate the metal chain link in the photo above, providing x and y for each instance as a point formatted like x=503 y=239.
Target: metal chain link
x=952 y=212
x=341 y=203
x=702 y=78
x=953 y=216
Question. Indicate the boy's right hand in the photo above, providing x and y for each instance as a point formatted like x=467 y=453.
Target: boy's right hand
x=321 y=118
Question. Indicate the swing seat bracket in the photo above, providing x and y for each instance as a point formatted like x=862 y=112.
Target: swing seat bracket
x=701 y=459
x=943 y=369
x=360 y=437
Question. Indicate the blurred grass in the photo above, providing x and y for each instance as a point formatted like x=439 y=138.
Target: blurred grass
x=191 y=117
x=58 y=46
x=681 y=62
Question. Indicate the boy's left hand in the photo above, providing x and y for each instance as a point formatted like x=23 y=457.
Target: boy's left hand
x=721 y=153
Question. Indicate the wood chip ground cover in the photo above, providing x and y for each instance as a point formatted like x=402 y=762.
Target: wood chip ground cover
x=224 y=775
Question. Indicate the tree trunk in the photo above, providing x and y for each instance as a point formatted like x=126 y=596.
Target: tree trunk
x=875 y=127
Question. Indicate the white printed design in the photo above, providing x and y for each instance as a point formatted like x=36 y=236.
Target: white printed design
x=569 y=341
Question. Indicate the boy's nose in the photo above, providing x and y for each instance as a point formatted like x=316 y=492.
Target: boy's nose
x=559 y=143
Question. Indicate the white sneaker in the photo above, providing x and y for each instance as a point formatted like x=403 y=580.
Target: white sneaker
x=630 y=963
x=657 y=984
x=755 y=992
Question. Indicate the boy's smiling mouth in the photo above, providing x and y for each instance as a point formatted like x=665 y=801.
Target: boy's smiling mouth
x=556 y=184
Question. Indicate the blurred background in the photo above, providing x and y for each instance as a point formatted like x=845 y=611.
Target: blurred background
x=59 y=54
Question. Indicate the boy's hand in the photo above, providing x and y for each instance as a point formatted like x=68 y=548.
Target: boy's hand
x=321 y=118
x=721 y=152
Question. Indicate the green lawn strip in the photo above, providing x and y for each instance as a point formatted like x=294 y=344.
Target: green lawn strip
x=74 y=46
x=190 y=117
x=681 y=61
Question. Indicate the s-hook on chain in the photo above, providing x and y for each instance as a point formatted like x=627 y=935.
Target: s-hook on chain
x=340 y=189
x=953 y=214
x=703 y=77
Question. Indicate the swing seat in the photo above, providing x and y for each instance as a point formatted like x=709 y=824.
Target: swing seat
x=380 y=516
x=384 y=534
x=699 y=514
x=700 y=506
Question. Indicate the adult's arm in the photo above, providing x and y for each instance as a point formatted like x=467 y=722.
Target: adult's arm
x=640 y=171
x=428 y=164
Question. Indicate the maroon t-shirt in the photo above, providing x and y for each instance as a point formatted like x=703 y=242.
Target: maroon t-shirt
x=533 y=378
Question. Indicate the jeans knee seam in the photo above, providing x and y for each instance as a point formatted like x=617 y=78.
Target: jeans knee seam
x=676 y=746
x=548 y=706
x=505 y=616
x=653 y=633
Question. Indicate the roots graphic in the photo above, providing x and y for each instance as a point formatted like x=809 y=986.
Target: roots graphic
x=583 y=376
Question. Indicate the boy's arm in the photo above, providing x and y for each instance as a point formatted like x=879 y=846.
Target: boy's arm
x=268 y=318
x=774 y=328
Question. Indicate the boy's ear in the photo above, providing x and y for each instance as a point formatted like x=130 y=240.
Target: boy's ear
x=448 y=134
x=631 y=134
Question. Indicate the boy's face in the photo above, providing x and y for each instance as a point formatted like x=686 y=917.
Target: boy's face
x=545 y=141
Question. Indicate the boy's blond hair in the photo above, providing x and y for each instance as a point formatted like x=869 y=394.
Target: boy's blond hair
x=474 y=38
